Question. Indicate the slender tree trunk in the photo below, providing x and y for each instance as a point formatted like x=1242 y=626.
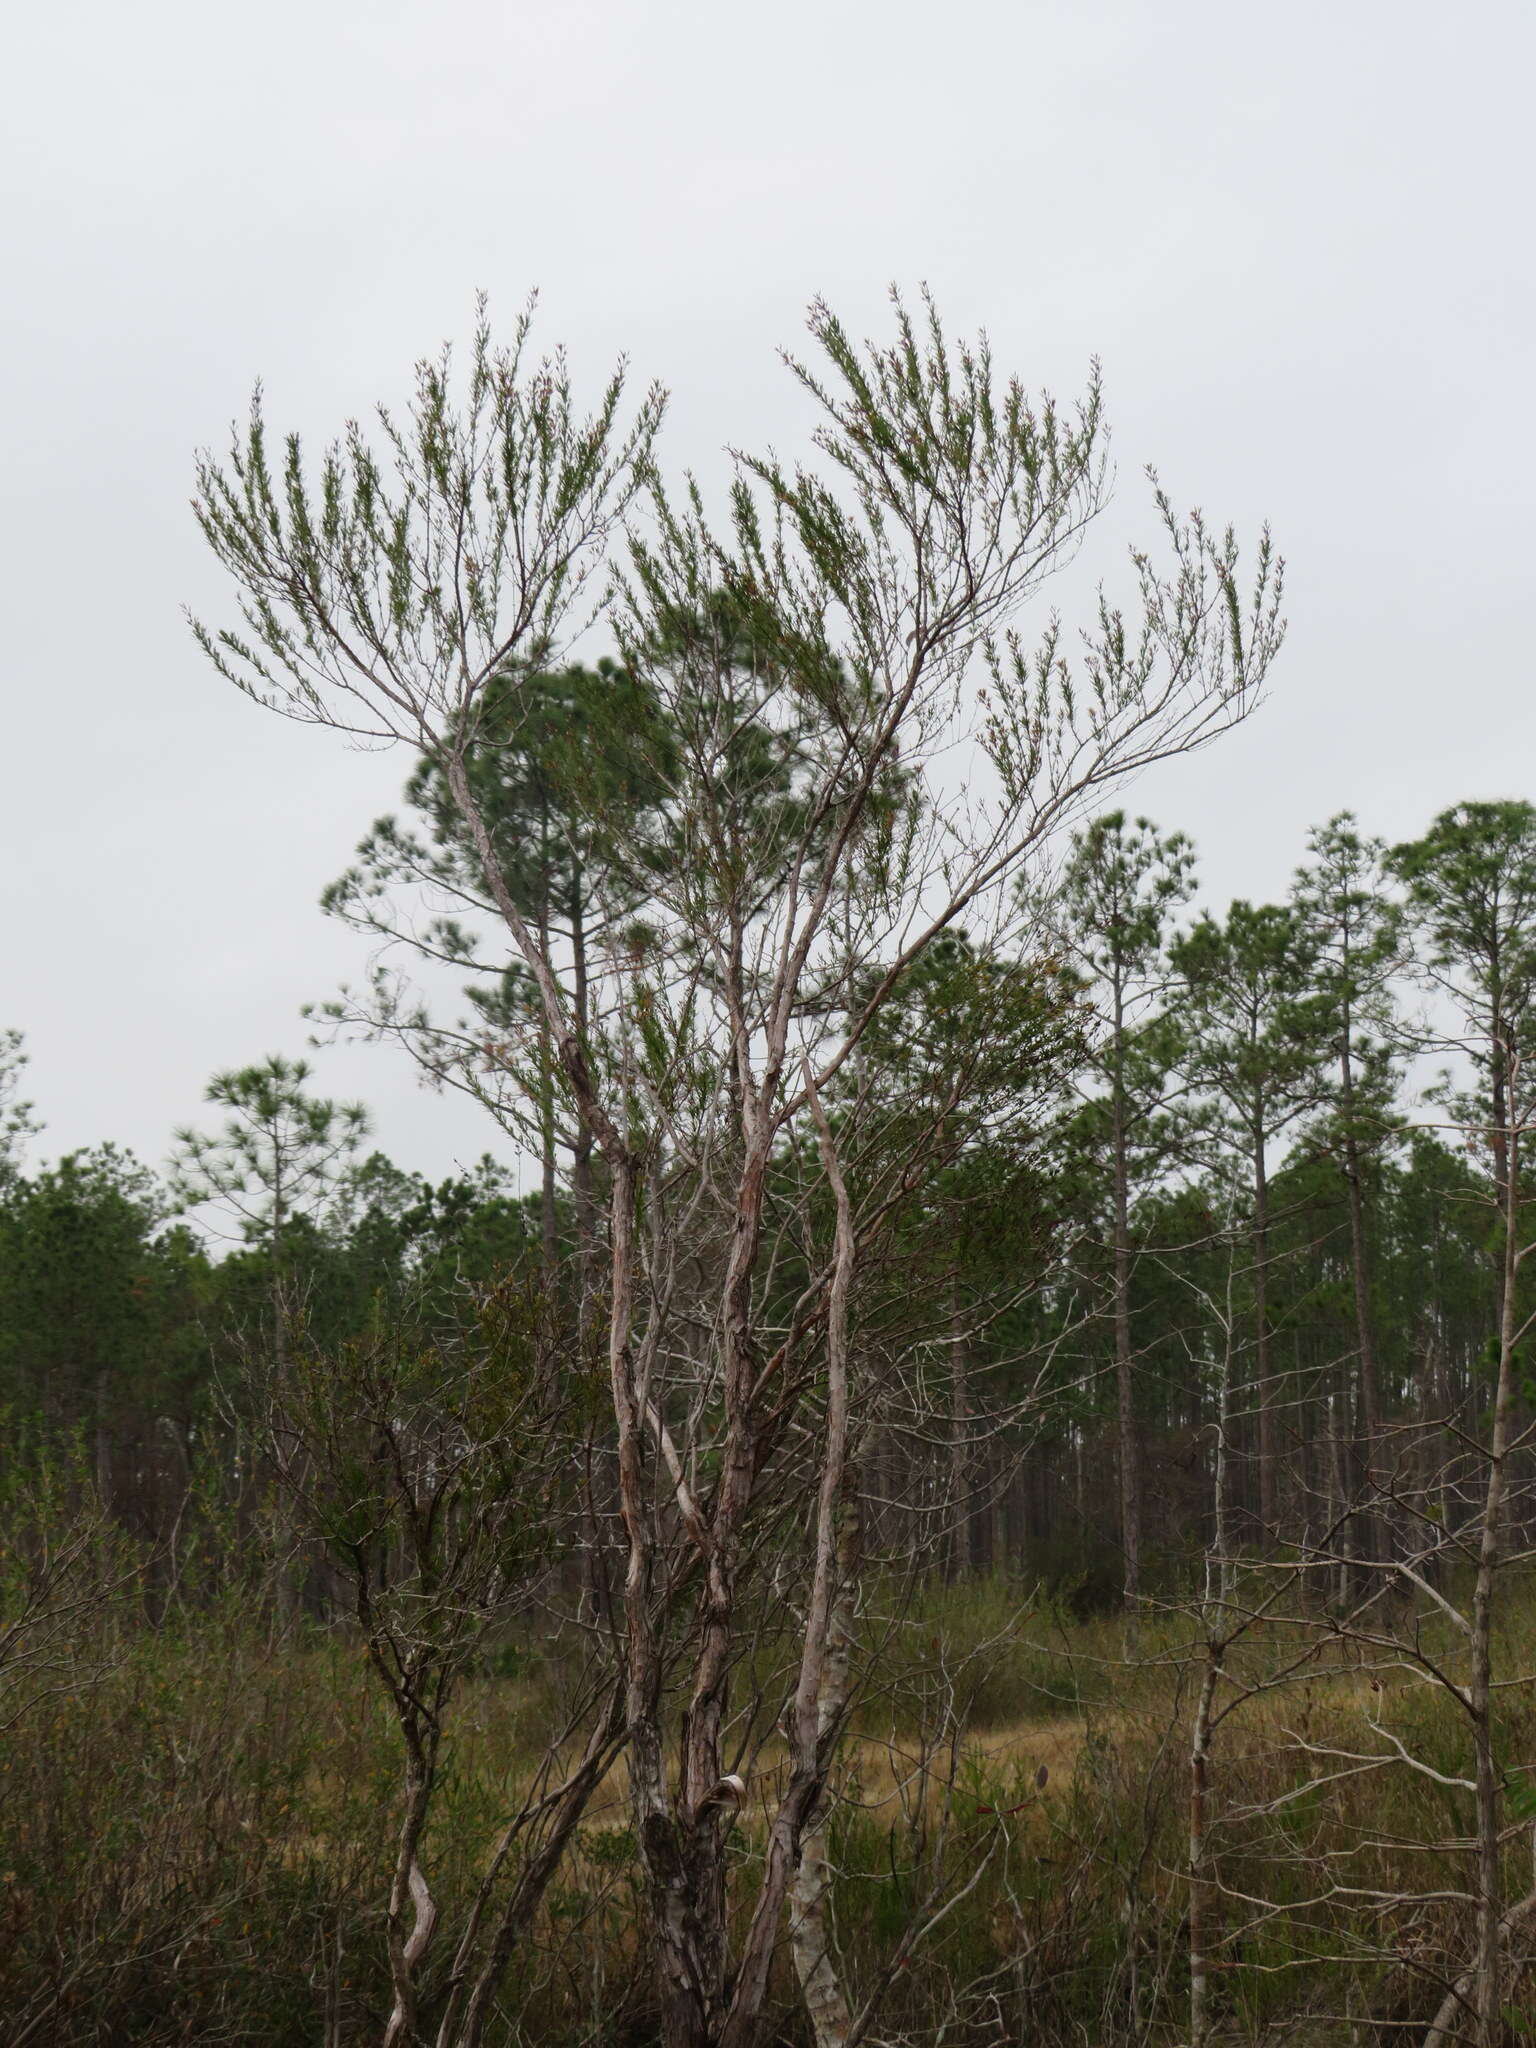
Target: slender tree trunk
x=810 y=1926
x=548 y=1214
x=581 y=1173
x=1080 y=1474
x=1013 y=1536
x=1221 y=1482
x=472 y=1999
x=409 y=1893
x=1434 y=1444
x=1269 y=1461
x=102 y=1443
x=694 y=1935
x=1498 y=1071
x=684 y=1849
x=1489 y=1978
x=1338 y=1498
x=1202 y=1891
x=687 y=1988
x=956 y=1548
x=797 y=1843
x=1225 y=1505
x=1373 y=1528
x=548 y=1211
x=1448 y=2029
x=983 y=1519
x=1125 y=1390
x=290 y=1571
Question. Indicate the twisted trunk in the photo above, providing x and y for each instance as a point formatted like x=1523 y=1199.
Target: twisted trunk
x=409 y=1892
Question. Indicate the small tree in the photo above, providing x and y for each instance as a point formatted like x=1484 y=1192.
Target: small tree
x=272 y=1168
x=275 y=1163
x=823 y=643
x=427 y=1465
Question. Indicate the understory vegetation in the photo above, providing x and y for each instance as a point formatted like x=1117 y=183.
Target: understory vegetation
x=200 y=1820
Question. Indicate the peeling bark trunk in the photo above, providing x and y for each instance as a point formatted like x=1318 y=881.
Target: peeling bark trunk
x=810 y=1927
x=829 y=1644
x=409 y=1891
x=682 y=1984
x=821 y=1692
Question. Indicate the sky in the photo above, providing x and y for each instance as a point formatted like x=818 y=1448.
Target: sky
x=1297 y=238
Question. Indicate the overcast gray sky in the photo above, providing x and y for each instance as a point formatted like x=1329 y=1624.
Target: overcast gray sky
x=1298 y=237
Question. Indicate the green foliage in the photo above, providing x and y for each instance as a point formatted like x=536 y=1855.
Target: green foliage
x=1471 y=889
x=1122 y=885
x=448 y=548
x=277 y=1156
x=566 y=767
x=100 y=1303
x=980 y=1048
x=1471 y=884
x=1250 y=1017
x=17 y=1123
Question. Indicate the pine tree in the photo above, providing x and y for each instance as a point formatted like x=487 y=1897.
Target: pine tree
x=1121 y=888
x=1471 y=889
x=1354 y=936
x=1249 y=1037
x=271 y=1168
x=566 y=768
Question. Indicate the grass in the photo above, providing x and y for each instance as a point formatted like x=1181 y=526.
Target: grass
x=196 y=1828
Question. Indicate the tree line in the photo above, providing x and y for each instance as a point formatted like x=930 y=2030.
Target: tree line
x=1258 y=1236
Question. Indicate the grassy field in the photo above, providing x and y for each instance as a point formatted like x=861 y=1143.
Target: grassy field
x=197 y=1828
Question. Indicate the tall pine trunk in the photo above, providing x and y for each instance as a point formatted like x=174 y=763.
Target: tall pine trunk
x=1373 y=1529
x=1269 y=1477
x=961 y=1478
x=1125 y=1390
